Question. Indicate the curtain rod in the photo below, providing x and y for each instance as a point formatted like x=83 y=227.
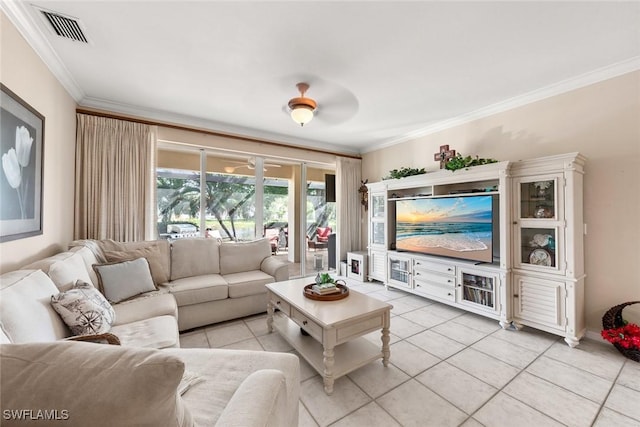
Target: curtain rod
x=110 y=115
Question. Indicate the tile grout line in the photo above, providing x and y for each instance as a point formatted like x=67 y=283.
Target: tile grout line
x=501 y=389
x=604 y=401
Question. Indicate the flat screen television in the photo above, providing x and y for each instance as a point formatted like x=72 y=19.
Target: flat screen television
x=458 y=227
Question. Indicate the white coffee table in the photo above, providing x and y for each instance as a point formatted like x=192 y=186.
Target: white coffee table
x=335 y=346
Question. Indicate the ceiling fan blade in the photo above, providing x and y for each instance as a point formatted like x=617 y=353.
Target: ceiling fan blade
x=340 y=106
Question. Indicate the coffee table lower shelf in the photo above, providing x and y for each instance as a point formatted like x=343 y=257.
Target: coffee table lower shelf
x=349 y=356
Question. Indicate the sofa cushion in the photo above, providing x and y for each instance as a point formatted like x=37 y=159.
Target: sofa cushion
x=163 y=247
x=151 y=254
x=151 y=304
x=194 y=257
x=84 y=310
x=122 y=280
x=89 y=258
x=225 y=370
x=155 y=332
x=247 y=283
x=25 y=307
x=236 y=257
x=63 y=269
x=198 y=289
x=95 y=384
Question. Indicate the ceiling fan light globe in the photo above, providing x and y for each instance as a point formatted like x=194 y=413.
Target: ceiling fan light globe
x=302 y=115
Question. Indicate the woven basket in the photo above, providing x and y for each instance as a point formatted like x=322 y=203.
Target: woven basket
x=613 y=319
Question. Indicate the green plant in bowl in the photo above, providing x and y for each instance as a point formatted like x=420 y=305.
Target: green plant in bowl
x=324 y=278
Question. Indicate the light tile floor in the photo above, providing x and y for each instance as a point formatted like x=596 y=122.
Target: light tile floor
x=453 y=368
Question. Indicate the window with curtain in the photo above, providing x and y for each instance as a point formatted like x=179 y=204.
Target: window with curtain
x=115 y=179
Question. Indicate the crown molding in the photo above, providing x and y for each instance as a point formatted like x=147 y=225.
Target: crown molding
x=586 y=79
x=18 y=14
x=161 y=116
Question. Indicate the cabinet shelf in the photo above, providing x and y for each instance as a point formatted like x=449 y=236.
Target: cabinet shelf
x=480 y=288
x=478 y=296
x=464 y=194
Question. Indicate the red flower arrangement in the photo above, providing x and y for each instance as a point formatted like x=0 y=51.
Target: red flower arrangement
x=627 y=336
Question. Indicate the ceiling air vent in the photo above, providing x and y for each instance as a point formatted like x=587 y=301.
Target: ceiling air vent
x=65 y=26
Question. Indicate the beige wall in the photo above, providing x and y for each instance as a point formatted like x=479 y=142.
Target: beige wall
x=22 y=71
x=601 y=121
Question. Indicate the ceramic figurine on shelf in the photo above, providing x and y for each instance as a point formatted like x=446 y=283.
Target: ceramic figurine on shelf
x=543 y=212
x=541 y=240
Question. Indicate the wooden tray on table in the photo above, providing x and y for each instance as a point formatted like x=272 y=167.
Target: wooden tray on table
x=344 y=292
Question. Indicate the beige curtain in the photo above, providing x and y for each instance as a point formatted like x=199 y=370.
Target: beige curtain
x=115 y=179
x=349 y=209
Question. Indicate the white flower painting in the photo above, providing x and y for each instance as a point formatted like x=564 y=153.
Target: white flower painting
x=21 y=181
x=13 y=163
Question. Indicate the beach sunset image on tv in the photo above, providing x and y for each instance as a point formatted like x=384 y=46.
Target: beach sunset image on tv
x=459 y=227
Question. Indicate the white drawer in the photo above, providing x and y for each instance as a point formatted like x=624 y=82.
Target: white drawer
x=428 y=276
x=305 y=323
x=420 y=264
x=435 y=290
x=281 y=305
x=345 y=333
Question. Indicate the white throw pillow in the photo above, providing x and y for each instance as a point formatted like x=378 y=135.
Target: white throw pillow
x=84 y=309
x=122 y=280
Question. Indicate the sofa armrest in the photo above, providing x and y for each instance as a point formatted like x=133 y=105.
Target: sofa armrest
x=97 y=338
x=276 y=268
x=260 y=401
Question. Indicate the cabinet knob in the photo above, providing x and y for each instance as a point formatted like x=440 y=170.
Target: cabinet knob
x=304 y=322
x=449 y=281
x=449 y=269
x=449 y=293
x=278 y=302
x=515 y=222
x=516 y=295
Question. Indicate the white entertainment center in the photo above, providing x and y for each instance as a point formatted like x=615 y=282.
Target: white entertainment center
x=536 y=277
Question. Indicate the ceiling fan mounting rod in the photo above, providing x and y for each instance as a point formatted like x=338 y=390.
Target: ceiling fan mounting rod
x=302 y=88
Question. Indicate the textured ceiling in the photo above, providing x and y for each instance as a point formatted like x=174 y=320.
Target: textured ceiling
x=381 y=72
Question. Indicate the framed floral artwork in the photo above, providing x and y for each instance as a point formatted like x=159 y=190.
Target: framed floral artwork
x=22 y=149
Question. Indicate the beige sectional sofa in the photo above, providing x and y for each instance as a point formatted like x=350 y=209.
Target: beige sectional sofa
x=211 y=281
x=100 y=384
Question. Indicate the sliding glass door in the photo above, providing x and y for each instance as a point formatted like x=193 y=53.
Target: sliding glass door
x=238 y=198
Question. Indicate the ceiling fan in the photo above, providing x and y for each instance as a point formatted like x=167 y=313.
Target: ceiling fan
x=331 y=104
x=249 y=164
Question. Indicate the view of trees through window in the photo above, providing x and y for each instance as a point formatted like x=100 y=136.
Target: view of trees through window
x=230 y=203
